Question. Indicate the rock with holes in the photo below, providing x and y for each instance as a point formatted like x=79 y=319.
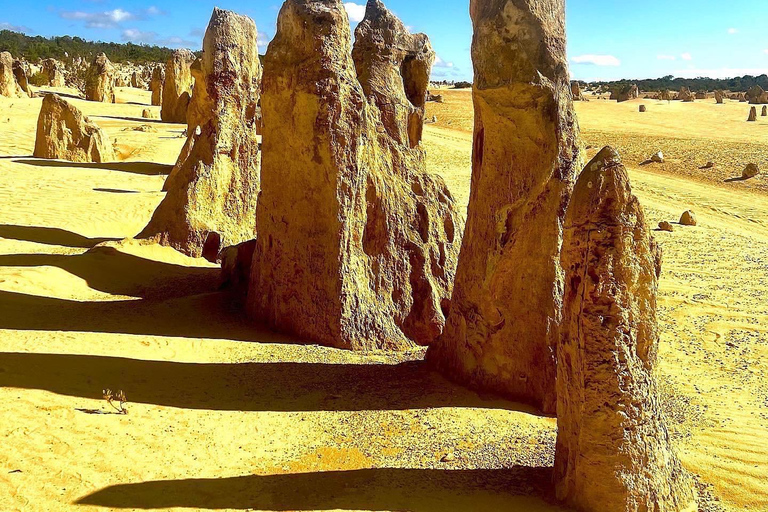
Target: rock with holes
x=359 y=251
x=20 y=72
x=501 y=330
x=100 y=80
x=64 y=133
x=211 y=200
x=177 y=87
x=750 y=171
x=156 y=85
x=9 y=87
x=53 y=71
x=613 y=448
x=688 y=218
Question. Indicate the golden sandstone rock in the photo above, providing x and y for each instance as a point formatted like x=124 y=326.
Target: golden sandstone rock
x=177 y=87
x=212 y=192
x=356 y=244
x=64 y=133
x=100 y=80
x=502 y=329
x=613 y=449
x=9 y=87
x=156 y=85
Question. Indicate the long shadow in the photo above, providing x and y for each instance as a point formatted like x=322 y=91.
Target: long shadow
x=137 y=119
x=273 y=387
x=737 y=178
x=518 y=489
x=115 y=191
x=145 y=168
x=112 y=271
x=50 y=236
x=42 y=94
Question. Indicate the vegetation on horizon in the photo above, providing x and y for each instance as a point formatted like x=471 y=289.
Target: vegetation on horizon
x=65 y=48
x=669 y=82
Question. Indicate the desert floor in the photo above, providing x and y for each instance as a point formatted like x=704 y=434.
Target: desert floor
x=223 y=415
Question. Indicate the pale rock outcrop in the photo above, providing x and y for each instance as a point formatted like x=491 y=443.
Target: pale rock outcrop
x=64 y=133
x=177 y=87
x=20 y=72
x=100 y=80
x=156 y=85
x=613 y=448
x=54 y=72
x=357 y=244
x=506 y=306
x=212 y=196
x=8 y=85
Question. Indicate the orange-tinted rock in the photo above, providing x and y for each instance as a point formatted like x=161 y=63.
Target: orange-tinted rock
x=688 y=218
x=613 y=448
x=752 y=114
x=64 y=133
x=357 y=245
x=501 y=331
x=211 y=200
x=100 y=80
x=156 y=85
x=177 y=87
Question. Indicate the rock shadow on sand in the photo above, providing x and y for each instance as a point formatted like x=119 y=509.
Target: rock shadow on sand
x=516 y=489
x=144 y=168
x=50 y=236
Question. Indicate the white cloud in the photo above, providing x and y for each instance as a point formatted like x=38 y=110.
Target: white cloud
x=597 y=60
x=356 y=12
x=765 y=51
x=108 y=19
x=440 y=63
x=733 y=31
x=666 y=57
x=14 y=28
x=263 y=40
x=686 y=56
x=138 y=36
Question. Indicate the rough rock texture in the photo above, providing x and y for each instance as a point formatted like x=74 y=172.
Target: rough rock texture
x=54 y=72
x=359 y=252
x=756 y=95
x=156 y=85
x=8 y=85
x=64 y=133
x=177 y=87
x=750 y=171
x=21 y=76
x=576 y=92
x=719 y=97
x=752 y=114
x=506 y=305
x=100 y=80
x=211 y=200
x=613 y=448
x=688 y=218
x=666 y=226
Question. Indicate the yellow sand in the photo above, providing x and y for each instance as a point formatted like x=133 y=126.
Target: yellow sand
x=223 y=415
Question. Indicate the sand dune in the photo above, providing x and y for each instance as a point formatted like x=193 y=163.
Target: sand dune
x=224 y=415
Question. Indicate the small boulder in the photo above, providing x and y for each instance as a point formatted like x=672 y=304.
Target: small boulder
x=658 y=158
x=688 y=218
x=750 y=171
x=63 y=132
x=666 y=226
x=709 y=165
x=148 y=114
x=642 y=108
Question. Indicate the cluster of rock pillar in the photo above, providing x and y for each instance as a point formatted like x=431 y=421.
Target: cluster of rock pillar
x=547 y=297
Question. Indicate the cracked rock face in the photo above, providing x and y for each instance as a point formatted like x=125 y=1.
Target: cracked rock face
x=501 y=331
x=64 y=133
x=359 y=252
x=613 y=449
x=100 y=80
x=177 y=87
x=214 y=188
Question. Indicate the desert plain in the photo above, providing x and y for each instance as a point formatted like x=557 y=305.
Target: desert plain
x=225 y=415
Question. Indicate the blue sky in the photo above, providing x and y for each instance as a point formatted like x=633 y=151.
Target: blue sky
x=607 y=39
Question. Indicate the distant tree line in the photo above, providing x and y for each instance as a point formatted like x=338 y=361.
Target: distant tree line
x=669 y=82
x=65 y=48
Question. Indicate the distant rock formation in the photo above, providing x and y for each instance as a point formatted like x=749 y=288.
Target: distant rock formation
x=576 y=92
x=756 y=95
x=156 y=85
x=626 y=93
x=177 y=87
x=8 y=85
x=665 y=95
x=613 y=448
x=685 y=95
x=64 y=133
x=357 y=244
x=100 y=80
x=54 y=72
x=506 y=306
x=752 y=114
x=211 y=200
x=719 y=96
